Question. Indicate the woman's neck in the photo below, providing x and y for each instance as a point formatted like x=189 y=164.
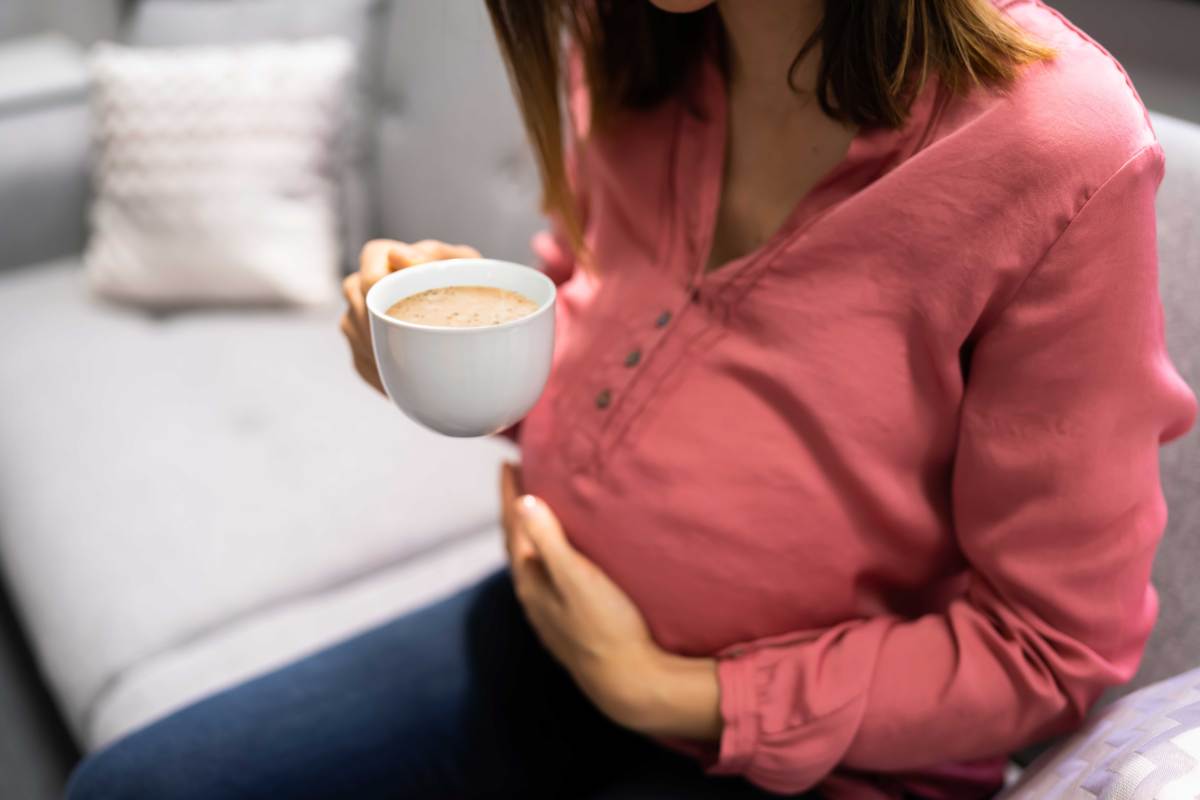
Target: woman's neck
x=764 y=38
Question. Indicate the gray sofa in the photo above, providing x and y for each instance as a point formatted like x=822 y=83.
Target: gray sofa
x=273 y=504
x=187 y=500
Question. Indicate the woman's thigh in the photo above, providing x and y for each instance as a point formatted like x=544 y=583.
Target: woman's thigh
x=457 y=699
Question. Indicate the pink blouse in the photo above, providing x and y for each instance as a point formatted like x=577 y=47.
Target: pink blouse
x=897 y=468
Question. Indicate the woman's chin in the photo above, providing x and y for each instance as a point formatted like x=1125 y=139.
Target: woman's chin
x=682 y=6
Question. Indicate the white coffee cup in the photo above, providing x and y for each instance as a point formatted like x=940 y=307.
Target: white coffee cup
x=464 y=381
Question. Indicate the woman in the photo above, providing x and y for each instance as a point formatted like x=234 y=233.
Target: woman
x=846 y=477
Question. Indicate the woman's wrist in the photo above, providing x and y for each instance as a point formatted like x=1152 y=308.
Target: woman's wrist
x=679 y=698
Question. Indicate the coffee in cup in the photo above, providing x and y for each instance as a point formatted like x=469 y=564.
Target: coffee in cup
x=462 y=307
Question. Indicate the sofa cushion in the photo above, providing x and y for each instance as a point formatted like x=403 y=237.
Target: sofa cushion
x=277 y=634
x=1143 y=747
x=162 y=476
x=156 y=23
x=216 y=171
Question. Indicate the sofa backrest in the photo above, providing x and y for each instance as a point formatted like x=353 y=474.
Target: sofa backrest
x=1175 y=645
x=85 y=21
x=451 y=156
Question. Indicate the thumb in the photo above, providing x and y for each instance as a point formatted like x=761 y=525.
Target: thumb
x=545 y=531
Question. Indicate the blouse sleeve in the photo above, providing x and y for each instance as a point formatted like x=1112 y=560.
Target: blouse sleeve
x=1057 y=508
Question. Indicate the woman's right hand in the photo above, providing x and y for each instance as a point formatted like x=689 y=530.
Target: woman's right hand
x=378 y=258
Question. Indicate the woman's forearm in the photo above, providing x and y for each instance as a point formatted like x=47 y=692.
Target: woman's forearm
x=682 y=699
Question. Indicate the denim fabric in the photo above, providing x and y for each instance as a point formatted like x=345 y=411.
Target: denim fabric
x=455 y=700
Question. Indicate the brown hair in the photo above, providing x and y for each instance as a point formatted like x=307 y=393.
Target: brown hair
x=875 y=57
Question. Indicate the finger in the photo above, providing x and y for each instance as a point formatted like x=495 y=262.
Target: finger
x=352 y=333
x=363 y=362
x=510 y=488
x=461 y=251
x=544 y=531
x=531 y=580
x=402 y=255
x=356 y=298
x=358 y=338
x=350 y=316
x=521 y=545
x=370 y=374
x=547 y=626
x=373 y=262
x=356 y=316
x=509 y=484
x=508 y=497
x=351 y=288
x=433 y=250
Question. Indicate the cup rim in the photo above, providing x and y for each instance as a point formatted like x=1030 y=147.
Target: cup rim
x=480 y=329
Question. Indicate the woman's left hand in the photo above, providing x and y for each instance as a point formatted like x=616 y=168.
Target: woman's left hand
x=595 y=631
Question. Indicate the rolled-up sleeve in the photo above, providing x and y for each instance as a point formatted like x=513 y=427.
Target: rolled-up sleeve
x=1057 y=509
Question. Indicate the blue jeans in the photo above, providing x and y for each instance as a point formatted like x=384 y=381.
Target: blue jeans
x=455 y=700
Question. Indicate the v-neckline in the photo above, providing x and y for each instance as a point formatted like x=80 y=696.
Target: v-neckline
x=705 y=124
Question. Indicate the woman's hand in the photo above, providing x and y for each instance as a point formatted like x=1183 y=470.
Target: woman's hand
x=378 y=258
x=594 y=630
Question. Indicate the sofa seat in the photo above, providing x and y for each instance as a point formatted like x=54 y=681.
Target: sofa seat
x=188 y=499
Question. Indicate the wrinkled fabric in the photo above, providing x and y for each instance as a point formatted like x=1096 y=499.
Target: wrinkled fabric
x=896 y=469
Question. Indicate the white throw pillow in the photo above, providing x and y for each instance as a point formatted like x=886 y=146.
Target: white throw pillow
x=1145 y=746
x=177 y=23
x=216 y=172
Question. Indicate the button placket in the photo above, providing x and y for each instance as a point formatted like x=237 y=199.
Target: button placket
x=604 y=398
x=659 y=359
x=612 y=388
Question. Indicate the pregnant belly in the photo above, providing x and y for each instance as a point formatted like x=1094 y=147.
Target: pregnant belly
x=708 y=568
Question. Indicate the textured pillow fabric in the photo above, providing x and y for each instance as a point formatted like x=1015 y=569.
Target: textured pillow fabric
x=216 y=172
x=1145 y=746
x=173 y=23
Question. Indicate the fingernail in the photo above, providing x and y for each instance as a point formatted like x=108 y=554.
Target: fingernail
x=528 y=504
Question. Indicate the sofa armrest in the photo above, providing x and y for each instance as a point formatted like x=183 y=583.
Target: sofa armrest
x=36 y=751
x=44 y=144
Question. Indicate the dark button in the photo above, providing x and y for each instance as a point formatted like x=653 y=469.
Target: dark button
x=695 y=294
x=603 y=399
x=663 y=319
x=633 y=358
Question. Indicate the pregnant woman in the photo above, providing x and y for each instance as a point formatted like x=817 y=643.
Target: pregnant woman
x=846 y=478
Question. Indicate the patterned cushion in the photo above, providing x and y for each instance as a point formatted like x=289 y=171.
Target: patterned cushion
x=1143 y=747
x=217 y=171
x=176 y=23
